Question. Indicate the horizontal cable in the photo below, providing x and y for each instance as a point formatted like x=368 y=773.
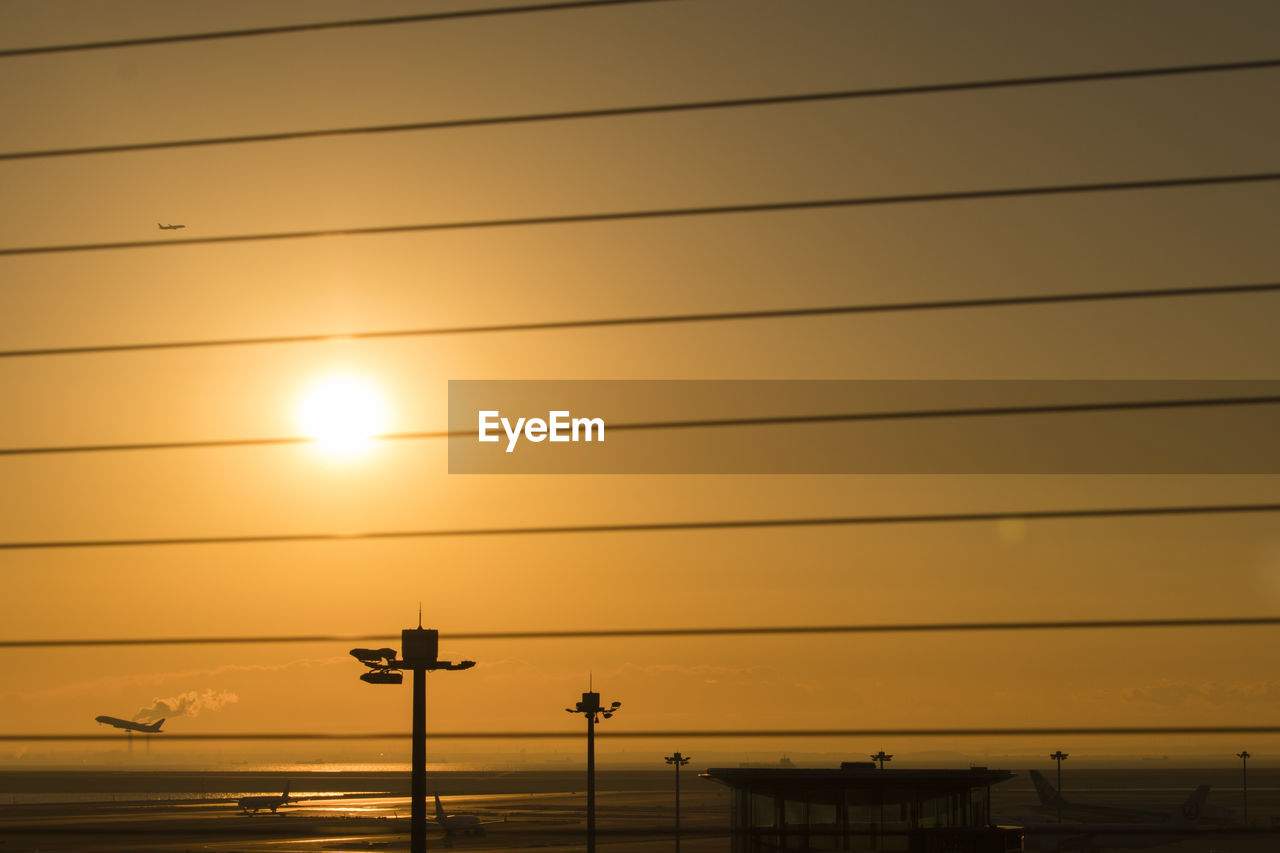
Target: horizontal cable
x=599 y=634
x=668 y=213
x=651 y=109
x=284 y=29
x=778 y=420
x=609 y=732
x=654 y=527
x=662 y=319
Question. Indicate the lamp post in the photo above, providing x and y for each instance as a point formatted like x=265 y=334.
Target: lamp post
x=1244 y=756
x=421 y=655
x=591 y=708
x=679 y=761
x=882 y=758
x=1059 y=756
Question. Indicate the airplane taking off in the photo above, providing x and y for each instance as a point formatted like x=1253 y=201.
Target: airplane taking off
x=1177 y=826
x=169 y=227
x=265 y=801
x=459 y=822
x=130 y=725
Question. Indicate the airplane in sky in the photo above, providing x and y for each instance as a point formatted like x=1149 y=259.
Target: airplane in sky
x=169 y=227
x=1052 y=802
x=459 y=822
x=1178 y=825
x=265 y=801
x=130 y=725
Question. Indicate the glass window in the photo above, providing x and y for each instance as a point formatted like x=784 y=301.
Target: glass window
x=978 y=807
x=795 y=812
x=824 y=826
x=933 y=812
x=862 y=809
x=764 y=823
x=764 y=812
x=895 y=819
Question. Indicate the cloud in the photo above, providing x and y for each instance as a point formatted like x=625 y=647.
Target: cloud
x=1215 y=693
x=154 y=679
x=188 y=704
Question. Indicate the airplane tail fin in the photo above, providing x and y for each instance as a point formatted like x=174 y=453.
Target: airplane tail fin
x=285 y=795
x=1193 y=808
x=439 y=808
x=1049 y=795
x=155 y=727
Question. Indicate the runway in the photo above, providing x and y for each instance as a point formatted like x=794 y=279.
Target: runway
x=551 y=822
x=523 y=811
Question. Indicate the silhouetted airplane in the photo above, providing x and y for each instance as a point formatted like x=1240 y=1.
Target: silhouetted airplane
x=1052 y=801
x=130 y=725
x=1054 y=837
x=169 y=227
x=265 y=801
x=458 y=822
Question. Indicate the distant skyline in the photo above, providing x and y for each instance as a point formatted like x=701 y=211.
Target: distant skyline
x=1141 y=129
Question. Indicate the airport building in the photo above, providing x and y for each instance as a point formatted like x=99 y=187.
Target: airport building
x=860 y=807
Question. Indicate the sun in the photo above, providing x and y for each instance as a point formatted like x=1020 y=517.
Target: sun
x=343 y=412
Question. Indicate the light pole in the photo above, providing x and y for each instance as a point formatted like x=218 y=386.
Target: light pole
x=679 y=761
x=421 y=655
x=1059 y=756
x=590 y=708
x=1243 y=755
x=882 y=758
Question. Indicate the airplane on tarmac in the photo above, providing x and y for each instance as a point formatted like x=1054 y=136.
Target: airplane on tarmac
x=130 y=725
x=169 y=227
x=459 y=822
x=1052 y=802
x=1178 y=825
x=265 y=801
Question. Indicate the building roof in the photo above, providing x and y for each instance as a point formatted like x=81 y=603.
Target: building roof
x=855 y=775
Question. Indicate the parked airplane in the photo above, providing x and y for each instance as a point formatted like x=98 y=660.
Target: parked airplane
x=458 y=822
x=265 y=801
x=130 y=725
x=1052 y=801
x=1177 y=826
x=169 y=227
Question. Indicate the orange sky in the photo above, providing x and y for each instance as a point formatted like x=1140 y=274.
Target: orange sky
x=1158 y=128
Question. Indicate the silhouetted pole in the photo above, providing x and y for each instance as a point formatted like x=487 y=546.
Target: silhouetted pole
x=679 y=761
x=591 y=786
x=418 y=784
x=1059 y=756
x=1243 y=755
x=590 y=708
x=882 y=758
x=421 y=654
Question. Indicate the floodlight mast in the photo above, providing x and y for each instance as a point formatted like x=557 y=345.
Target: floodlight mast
x=591 y=708
x=678 y=761
x=421 y=655
x=1244 y=757
x=1059 y=756
x=882 y=758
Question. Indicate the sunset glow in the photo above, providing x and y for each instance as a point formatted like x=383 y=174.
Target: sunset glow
x=343 y=413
